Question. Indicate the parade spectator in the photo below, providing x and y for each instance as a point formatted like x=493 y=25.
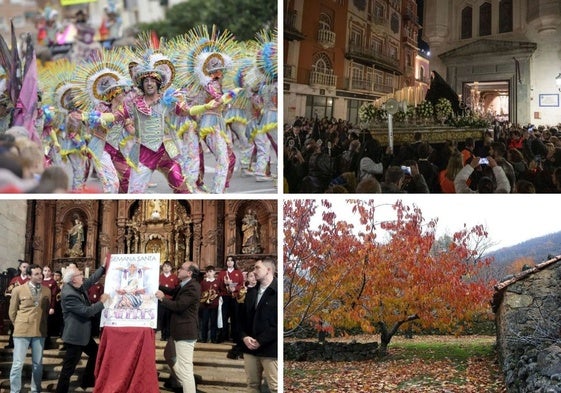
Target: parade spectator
x=77 y=333
x=486 y=184
x=29 y=307
x=447 y=176
x=259 y=328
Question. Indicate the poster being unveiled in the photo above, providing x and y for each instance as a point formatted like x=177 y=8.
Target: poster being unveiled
x=131 y=282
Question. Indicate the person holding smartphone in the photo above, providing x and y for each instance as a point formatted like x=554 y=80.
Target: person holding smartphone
x=498 y=183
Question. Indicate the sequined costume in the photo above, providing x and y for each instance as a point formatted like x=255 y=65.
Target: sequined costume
x=158 y=147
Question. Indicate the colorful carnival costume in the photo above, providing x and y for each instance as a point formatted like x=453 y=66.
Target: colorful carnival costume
x=71 y=134
x=5 y=102
x=238 y=113
x=265 y=135
x=201 y=63
x=158 y=147
x=102 y=88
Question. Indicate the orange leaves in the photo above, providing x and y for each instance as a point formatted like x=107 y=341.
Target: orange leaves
x=336 y=269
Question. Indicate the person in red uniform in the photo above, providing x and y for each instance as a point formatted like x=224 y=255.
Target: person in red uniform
x=94 y=293
x=231 y=281
x=50 y=283
x=20 y=279
x=169 y=281
x=209 y=305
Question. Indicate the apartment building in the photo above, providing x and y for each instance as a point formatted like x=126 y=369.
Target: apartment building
x=339 y=54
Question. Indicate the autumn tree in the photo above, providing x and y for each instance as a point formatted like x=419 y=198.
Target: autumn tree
x=340 y=272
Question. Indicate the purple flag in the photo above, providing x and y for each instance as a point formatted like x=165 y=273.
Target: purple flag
x=25 y=112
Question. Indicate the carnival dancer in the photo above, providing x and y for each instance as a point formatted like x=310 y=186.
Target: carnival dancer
x=102 y=85
x=265 y=134
x=152 y=72
x=238 y=114
x=5 y=102
x=201 y=68
x=71 y=134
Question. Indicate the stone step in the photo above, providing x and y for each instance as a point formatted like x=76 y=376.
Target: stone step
x=214 y=370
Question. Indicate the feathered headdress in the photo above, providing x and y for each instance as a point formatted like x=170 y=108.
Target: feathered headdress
x=59 y=88
x=149 y=60
x=266 y=57
x=102 y=79
x=200 y=53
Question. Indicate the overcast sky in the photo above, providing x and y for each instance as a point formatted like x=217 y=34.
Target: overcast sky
x=509 y=219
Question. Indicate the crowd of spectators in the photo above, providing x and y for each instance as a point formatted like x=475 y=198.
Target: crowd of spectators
x=331 y=156
x=23 y=169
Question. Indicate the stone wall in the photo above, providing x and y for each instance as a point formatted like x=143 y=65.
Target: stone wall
x=13 y=215
x=528 y=331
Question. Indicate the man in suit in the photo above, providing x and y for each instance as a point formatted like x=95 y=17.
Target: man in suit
x=29 y=307
x=259 y=328
x=77 y=334
x=184 y=323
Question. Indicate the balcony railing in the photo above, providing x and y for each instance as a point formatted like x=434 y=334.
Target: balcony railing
x=326 y=38
x=371 y=55
x=360 y=84
x=323 y=78
x=289 y=72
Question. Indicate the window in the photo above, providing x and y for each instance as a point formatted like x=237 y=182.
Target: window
x=356 y=37
x=319 y=107
x=466 y=22
x=324 y=22
x=505 y=16
x=389 y=80
x=379 y=10
x=394 y=23
x=408 y=61
x=376 y=45
x=421 y=73
x=393 y=52
x=352 y=110
x=485 y=19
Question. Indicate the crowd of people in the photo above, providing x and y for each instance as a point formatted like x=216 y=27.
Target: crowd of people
x=231 y=306
x=332 y=156
x=122 y=114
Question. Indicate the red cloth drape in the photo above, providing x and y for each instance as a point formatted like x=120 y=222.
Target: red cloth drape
x=126 y=361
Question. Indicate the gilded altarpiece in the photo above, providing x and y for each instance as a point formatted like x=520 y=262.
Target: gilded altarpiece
x=204 y=231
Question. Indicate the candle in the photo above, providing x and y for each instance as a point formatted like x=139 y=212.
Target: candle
x=87 y=272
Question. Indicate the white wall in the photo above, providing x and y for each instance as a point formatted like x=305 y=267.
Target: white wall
x=13 y=215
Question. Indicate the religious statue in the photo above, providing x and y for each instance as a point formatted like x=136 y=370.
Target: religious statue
x=76 y=238
x=155 y=209
x=250 y=233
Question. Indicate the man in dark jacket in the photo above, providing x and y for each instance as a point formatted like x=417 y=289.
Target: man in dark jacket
x=77 y=334
x=184 y=322
x=259 y=328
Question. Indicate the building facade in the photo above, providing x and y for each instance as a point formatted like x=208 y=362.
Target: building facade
x=356 y=52
x=204 y=231
x=501 y=56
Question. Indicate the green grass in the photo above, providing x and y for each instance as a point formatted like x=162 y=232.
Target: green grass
x=442 y=350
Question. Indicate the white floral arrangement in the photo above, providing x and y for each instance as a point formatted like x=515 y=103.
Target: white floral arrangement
x=425 y=110
x=367 y=112
x=443 y=109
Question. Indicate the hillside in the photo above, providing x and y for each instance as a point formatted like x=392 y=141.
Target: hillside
x=539 y=249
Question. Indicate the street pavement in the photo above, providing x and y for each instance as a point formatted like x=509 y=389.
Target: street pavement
x=239 y=184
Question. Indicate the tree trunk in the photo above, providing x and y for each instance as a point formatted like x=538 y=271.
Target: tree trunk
x=387 y=335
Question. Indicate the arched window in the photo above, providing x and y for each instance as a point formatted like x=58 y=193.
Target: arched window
x=324 y=21
x=467 y=16
x=505 y=16
x=421 y=73
x=322 y=63
x=485 y=19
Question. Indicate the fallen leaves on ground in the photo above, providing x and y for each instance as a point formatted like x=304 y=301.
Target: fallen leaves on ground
x=395 y=374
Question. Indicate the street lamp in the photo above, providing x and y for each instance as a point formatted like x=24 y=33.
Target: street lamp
x=558 y=81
